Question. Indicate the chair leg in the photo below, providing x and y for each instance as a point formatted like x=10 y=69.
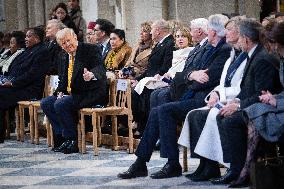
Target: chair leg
x=130 y=135
x=48 y=137
x=22 y=126
x=114 y=133
x=95 y=134
x=32 y=128
x=7 y=123
x=185 y=164
x=36 y=125
x=83 y=133
x=99 y=126
x=17 y=123
x=79 y=130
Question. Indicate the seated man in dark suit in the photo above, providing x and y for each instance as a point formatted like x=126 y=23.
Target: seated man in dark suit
x=163 y=120
x=260 y=74
x=78 y=87
x=26 y=74
x=159 y=62
x=52 y=27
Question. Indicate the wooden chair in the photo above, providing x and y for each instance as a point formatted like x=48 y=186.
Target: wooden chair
x=121 y=105
x=81 y=125
x=20 y=128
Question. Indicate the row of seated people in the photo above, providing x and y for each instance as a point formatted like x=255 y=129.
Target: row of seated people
x=249 y=76
x=237 y=84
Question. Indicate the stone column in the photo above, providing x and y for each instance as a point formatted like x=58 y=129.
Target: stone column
x=106 y=10
x=31 y=14
x=249 y=8
x=22 y=14
x=11 y=17
x=89 y=10
x=39 y=12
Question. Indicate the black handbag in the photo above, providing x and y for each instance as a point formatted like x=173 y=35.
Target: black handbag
x=267 y=173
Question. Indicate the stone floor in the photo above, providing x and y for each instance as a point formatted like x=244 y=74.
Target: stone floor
x=29 y=166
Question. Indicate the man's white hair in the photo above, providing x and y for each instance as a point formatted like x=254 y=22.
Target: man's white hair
x=201 y=23
x=61 y=34
x=217 y=22
x=162 y=25
x=57 y=23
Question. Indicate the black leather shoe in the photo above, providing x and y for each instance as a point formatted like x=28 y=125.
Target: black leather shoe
x=198 y=171
x=63 y=146
x=226 y=179
x=134 y=171
x=209 y=171
x=240 y=183
x=168 y=171
x=72 y=147
x=58 y=140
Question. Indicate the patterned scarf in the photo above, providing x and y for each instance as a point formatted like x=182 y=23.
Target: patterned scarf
x=5 y=63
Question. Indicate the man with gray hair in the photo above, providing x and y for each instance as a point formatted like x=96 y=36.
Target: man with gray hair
x=52 y=27
x=159 y=62
x=260 y=74
x=163 y=120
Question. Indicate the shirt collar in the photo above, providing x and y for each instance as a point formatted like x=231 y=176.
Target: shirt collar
x=105 y=43
x=203 y=41
x=252 y=51
x=164 y=38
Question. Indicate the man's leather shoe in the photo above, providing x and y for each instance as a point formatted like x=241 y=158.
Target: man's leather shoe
x=168 y=171
x=134 y=171
x=198 y=171
x=209 y=171
x=63 y=146
x=72 y=147
x=240 y=183
x=226 y=179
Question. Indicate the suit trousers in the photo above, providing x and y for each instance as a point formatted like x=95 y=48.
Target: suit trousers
x=233 y=135
x=162 y=123
x=196 y=120
x=62 y=114
x=160 y=96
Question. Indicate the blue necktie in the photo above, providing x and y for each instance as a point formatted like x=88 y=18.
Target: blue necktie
x=233 y=68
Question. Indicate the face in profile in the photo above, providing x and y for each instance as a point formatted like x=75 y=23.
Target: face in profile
x=181 y=40
x=31 y=39
x=91 y=37
x=232 y=33
x=51 y=30
x=195 y=34
x=13 y=45
x=144 y=35
x=115 y=41
x=69 y=43
x=155 y=33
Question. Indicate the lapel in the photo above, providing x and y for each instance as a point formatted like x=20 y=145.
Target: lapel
x=248 y=64
x=77 y=64
x=160 y=46
x=107 y=49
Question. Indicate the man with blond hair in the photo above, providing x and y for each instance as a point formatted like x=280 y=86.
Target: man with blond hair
x=82 y=83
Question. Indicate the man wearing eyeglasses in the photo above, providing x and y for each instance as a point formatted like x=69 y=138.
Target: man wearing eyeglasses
x=102 y=31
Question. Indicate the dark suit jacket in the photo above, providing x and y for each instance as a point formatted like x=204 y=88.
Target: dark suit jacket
x=85 y=93
x=28 y=70
x=260 y=74
x=55 y=52
x=179 y=83
x=160 y=59
x=107 y=49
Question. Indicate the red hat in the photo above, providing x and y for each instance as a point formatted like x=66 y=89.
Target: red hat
x=91 y=25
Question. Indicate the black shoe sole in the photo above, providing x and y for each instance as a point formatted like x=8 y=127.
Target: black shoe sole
x=133 y=176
